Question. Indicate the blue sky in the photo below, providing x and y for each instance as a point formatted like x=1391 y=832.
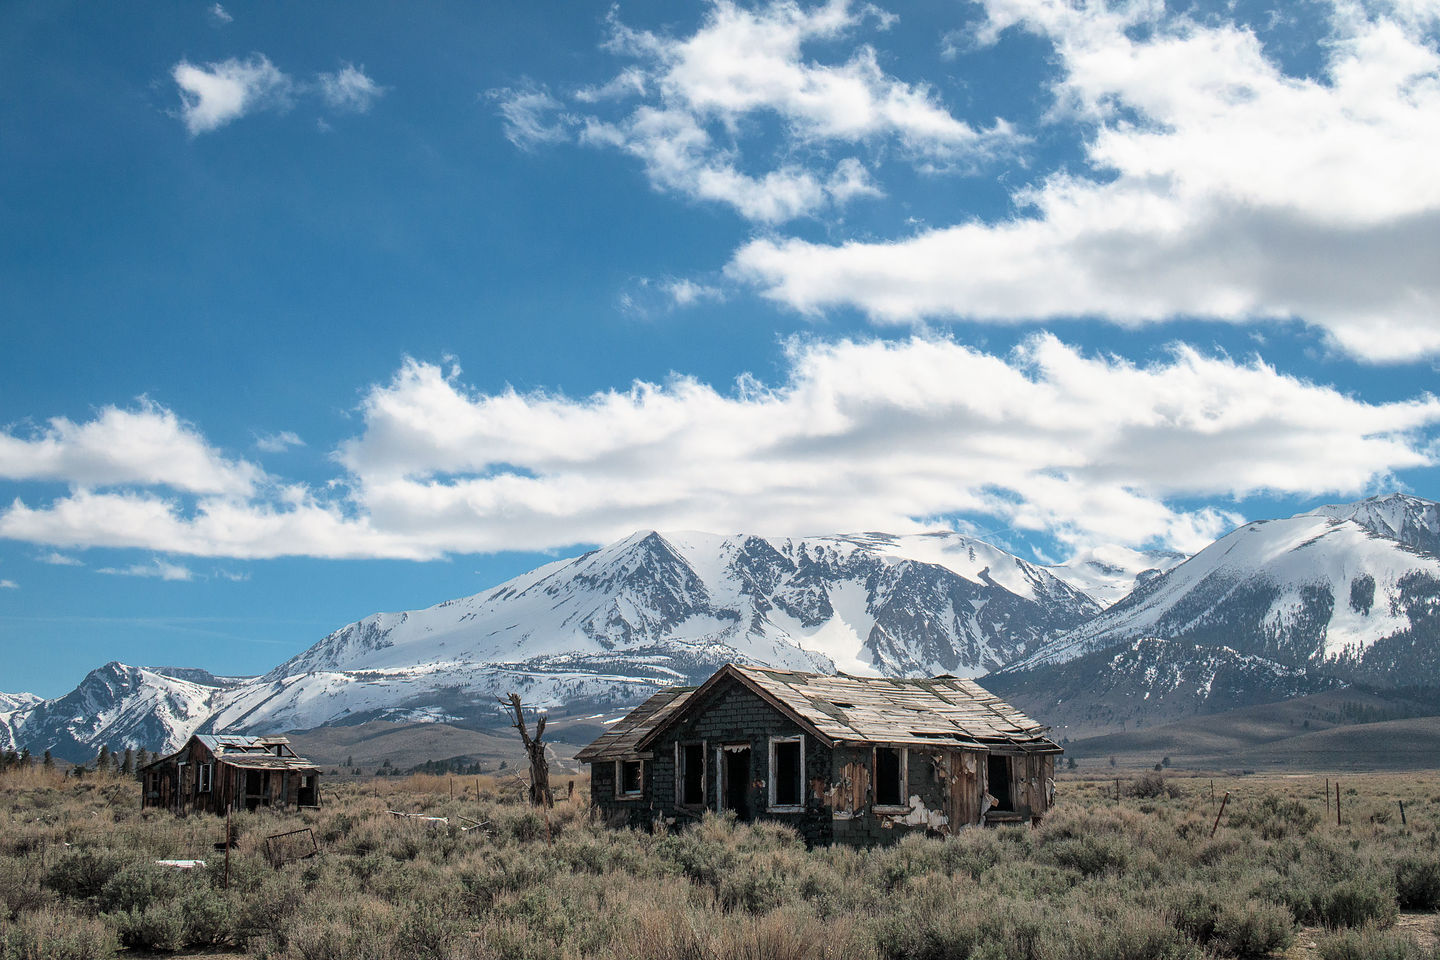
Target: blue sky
x=311 y=311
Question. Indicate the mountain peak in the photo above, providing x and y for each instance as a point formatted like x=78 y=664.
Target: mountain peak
x=1412 y=520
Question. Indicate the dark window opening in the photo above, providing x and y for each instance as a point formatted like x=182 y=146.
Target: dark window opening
x=999 y=782
x=889 y=790
x=630 y=777
x=787 y=773
x=692 y=773
x=737 y=782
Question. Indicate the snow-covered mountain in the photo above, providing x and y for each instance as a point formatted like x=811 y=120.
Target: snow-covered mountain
x=117 y=705
x=1108 y=575
x=1410 y=520
x=1313 y=591
x=611 y=625
x=1274 y=609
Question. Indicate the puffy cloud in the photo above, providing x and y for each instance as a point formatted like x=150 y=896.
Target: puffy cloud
x=349 y=89
x=57 y=559
x=1094 y=451
x=687 y=98
x=221 y=15
x=213 y=94
x=156 y=568
x=146 y=446
x=9 y=585
x=1224 y=188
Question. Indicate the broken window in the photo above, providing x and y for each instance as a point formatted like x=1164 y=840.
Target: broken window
x=692 y=774
x=787 y=771
x=630 y=778
x=889 y=776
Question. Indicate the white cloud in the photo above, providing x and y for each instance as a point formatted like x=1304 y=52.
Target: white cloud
x=220 y=14
x=278 y=442
x=1225 y=189
x=532 y=116
x=148 y=446
x=57 y=559
x=156 y=568
x=685 y=293
x=9 y=585
x=691 y=95
x=349 y=89
x=214 y=94
x=1091 y=450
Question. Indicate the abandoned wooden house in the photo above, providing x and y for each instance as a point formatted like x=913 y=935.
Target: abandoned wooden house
x=212 y=774
x=843 y=759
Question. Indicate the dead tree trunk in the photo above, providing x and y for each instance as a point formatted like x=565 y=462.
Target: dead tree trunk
x=534 y=747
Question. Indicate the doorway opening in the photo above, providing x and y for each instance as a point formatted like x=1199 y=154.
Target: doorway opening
x=737 y=781
x=999 y=782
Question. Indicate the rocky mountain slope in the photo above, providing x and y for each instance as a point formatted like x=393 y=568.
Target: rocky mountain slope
x=1148 y=682
x=120 y=706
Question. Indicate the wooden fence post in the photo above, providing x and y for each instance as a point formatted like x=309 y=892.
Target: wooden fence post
x=1337 y=803
x=1220 y=813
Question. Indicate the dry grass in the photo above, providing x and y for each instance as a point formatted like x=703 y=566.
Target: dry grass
x=1102 y=879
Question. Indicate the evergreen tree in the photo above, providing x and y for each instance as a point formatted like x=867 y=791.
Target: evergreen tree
x=102 y=759
x=49 y=762
x=25 y=757
x=127 y=766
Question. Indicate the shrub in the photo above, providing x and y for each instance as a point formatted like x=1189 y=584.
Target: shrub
x=157 y=927
x=208 y=918
x=1150 y=786
x=1359 y=901
x=52 y=935
x=1368 y=943
x=1252 y=930
x=83 y=873
x=1417 y=882
x=1089 y=854
x=137 y=885
x=1276 y=817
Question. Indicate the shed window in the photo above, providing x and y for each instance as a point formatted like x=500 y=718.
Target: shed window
x=207 y=777
x=692 y=774
x=630 y=777
x=889 y=776
x=787 y=771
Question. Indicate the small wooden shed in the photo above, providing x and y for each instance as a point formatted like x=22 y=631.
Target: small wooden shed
x=214 y=773
x=843 y=759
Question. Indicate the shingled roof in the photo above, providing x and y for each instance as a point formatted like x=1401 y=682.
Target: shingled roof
x=619 y=742
x=935 y=711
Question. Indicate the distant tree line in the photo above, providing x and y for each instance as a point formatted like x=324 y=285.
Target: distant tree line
x=125 y=763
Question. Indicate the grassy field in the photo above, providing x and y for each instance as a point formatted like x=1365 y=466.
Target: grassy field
x=1102 y=879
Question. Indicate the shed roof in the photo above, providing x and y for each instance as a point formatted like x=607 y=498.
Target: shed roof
x=934 y=711
x=619 y=742
x=239 y=751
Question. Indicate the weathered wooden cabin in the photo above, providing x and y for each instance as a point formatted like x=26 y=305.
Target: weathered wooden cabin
x=843 y=759
x=212 y=774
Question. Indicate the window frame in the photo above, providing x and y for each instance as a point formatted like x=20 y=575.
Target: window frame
x=205 y=777
x=680 y=773
x=774 y=806
x=904 y=771
x=620 y=792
